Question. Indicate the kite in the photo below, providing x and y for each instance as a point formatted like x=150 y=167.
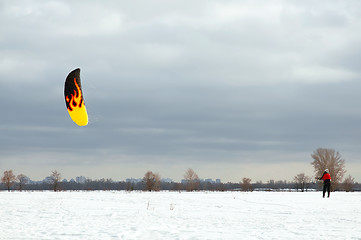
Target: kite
x=74 y=98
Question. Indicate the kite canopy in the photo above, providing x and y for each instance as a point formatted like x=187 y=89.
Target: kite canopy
x=74 y=98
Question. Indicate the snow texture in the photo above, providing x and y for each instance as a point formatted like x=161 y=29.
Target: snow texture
x=174 y=215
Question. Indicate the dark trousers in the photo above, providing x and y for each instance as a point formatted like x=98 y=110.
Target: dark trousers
x=326 y=187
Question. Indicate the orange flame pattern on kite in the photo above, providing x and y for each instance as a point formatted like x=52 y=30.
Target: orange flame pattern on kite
x=76 y=98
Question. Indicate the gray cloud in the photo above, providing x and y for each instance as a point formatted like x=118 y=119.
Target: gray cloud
x=173 y=85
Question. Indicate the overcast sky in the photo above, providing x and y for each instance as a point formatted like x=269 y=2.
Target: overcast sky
x=231 y=89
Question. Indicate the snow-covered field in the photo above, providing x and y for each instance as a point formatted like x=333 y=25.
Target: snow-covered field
x=174 y=215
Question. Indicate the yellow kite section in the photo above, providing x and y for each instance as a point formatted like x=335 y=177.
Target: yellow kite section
x=79 y=115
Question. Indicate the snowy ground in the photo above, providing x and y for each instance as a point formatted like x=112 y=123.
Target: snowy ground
x=173 y=215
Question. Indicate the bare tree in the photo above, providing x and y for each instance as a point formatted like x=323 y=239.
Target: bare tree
x=55 y=179
x=348 y=183
x=324 y=158
x=22 y=179
x=246 y=185
x=152 y=181
x=301 y=181
x=8 y=179
x=192 y=180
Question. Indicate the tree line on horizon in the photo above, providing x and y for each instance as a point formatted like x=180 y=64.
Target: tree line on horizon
x=322 y=159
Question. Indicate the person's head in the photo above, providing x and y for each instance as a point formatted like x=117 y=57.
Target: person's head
x=326 y=170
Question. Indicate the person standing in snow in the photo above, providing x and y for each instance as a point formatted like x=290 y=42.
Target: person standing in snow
x=326 y=177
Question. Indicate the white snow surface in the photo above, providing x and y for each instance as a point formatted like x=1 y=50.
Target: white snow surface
x=179 y=215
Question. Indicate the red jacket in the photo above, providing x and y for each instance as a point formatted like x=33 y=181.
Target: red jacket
x=326 y=176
